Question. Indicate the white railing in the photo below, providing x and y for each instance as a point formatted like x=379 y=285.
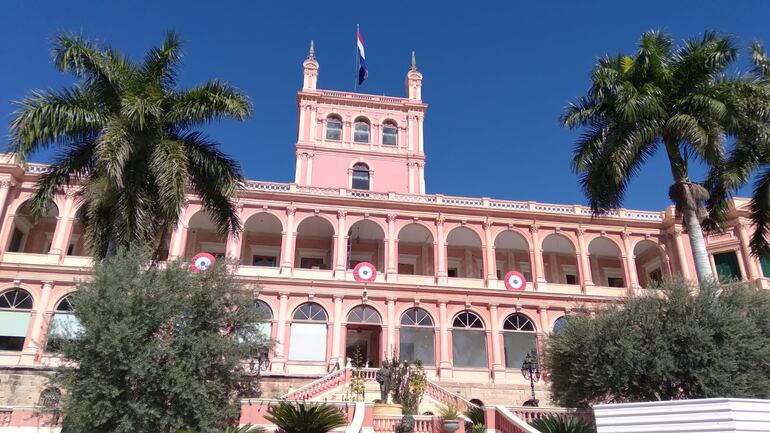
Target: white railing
x=466 y=202
x=443 y=395
x=507 y=422
x=317 y=387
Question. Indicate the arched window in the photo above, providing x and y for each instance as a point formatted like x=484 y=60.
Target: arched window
x=559 y=323
x=333 y=127
x=308 y=333
x=50 y=398
x=364 y=314
x=469 y=342
x=417 y=337
x=64 y=325
x=518 y=338
x=361 y=130
x=265 y=328
x=360 y=176
x=389 y=133
x=15 y=314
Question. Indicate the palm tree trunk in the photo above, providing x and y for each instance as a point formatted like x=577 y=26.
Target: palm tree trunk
x=698 y=246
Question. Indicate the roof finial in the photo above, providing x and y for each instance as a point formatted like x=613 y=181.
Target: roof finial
x=414 y=63
x=311 y=54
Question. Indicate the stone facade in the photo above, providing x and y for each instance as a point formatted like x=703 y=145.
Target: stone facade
x=440 y=292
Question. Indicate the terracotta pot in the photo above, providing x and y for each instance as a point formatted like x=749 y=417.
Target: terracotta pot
x=451 y=425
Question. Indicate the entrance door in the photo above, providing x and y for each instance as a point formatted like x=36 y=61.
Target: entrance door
x=363 y=341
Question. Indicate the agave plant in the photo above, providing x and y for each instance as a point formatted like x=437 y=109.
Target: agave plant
x=304 y=417
x=562 y=424
x=476 y=422
x=248 y=428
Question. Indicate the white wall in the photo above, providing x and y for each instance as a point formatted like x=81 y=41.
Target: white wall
x=712 y=415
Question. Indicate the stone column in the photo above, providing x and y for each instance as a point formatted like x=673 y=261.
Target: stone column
x=5 y=187
x=390 y=347
x=342 y=245
x=441 y=271
x=630 y=263
x=392 y=256
x=279 y=358
x=64 y=224
x=287 y=242
x=538 y=268
x=752 y=264
x=298 y=169
x=234 y=246
x=309 y=174
x=410 y=169
x=497 y=363
x=337 y=332
x=584 y=262
x=445 y=365
x=681 y=258
x=35 y=341
x=543 y=313
x=490 y=253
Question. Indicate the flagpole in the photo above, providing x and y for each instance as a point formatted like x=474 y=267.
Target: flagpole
x=355 y=76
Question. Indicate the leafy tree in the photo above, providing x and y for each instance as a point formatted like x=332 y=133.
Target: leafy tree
x=408 y=384
x=160 y=349
x=128 y=134
x=748 y=157
x=679 y=342
x=302 y=417
x=562 y=424
x=680 y=99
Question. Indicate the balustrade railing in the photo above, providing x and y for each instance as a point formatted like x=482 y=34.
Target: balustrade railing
x=422 y=424
x=318 y=386
x=529 y=414
x=508 y=422
x=438 y=199
x=447 y=397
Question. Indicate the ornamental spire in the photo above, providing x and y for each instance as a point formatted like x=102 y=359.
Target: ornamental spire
x=414 y=63
x=311 y=54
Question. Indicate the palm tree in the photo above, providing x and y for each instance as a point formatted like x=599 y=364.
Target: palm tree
x=562 y=424
x=302 y=417
x=747 y=157
x=127 y=133
x=678 y=98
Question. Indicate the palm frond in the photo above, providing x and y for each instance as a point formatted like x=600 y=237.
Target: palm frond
x=69 y=167
x=760 y=214
x=160 y=62
x=304 y=417
x=207 y=103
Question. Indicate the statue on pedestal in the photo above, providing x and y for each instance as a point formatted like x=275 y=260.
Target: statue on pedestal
x=383 y=378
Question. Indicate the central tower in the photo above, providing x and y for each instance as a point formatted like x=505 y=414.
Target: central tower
x=360 y=141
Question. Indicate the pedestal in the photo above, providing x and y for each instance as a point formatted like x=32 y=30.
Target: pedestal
x=390 y=409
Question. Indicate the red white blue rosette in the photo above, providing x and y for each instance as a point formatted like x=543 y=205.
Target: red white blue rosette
x=201 y=262
x=515 y=281
x=365 y=272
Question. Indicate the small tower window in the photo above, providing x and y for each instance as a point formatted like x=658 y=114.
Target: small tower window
x=389 y=133
x=360 y=176
x=333 y=128
x=361 y=132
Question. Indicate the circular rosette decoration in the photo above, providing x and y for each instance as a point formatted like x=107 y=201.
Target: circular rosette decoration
x=365 y=272
x=515 y=281
x=201 y=262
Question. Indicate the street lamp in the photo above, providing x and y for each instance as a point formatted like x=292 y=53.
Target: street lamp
x=258 y=365
x=530 y=369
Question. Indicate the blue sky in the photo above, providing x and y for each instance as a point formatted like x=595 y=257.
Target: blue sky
x=497 y=75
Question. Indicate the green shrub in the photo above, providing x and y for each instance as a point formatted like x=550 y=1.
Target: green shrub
x=304 y=417
x=476 y=422
x=562 y=424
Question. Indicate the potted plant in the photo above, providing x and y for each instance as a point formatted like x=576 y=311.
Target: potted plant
x=449 y=415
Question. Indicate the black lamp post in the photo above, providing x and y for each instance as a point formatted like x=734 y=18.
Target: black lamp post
x=257 y=366
x=530 y=369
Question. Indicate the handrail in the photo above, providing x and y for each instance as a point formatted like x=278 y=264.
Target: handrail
x=443 y=395
x=529 y=414
x=507 y=422
x=358 y=419
x=316 y=387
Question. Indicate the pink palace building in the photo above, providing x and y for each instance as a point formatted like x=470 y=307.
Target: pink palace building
x=439 y=294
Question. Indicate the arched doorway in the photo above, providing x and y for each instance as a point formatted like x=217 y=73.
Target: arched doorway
x=469 y=341
x=203 y=236
x=30 y=235
x=415 y=250
x=650 y=263
x=559 y=260
x=363 y=330
x=417 y=337
x=366 y=243
x=606 y=263
x=464 y=257
x=315 y=243
x=307 y=340
x=261 y=245
x=512 y=254
x=519 y=339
